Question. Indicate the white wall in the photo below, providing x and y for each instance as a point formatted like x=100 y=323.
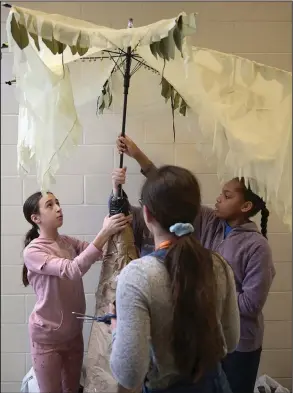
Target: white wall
x=258 y=31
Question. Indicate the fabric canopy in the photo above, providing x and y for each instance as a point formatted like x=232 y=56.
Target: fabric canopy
x=242 y=108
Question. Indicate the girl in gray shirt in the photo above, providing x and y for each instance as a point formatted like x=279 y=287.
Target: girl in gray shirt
x=177 y=313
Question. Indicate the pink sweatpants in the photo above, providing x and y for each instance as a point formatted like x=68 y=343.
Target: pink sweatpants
x=58 y=367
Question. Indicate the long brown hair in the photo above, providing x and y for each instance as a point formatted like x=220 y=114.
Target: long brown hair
x=31 y=206
x=172 y=195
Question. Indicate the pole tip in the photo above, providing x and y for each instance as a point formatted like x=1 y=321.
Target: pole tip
x=130 y=23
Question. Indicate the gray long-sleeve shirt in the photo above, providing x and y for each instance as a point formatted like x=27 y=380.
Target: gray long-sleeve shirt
x=141 y=343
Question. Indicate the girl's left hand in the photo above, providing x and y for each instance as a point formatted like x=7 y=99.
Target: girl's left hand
x=112 y=310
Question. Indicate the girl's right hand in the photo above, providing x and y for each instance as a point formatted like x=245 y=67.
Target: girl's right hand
x=127 y=146
x=115 y=224
x=118 y=177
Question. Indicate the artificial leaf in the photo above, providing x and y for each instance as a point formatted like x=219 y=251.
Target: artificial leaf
x=159 y=50
x=73 y=49
x=171 y=45
x=19 y=33
x=51 y=44
x=153 y=49
x=110 y=101
x=166 y=89
x=180 y=22
x=176 y=100
x=183 y=107
x=81 y=50
x=61 y=47
x=48 y=38
x=177 y=35
x=33 y=31
x=36 y=40
x=102 y=107
x=163 y=45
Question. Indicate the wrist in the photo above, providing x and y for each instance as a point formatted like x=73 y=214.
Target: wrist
x=115 y=190
x=102 y=238
x=113 y=324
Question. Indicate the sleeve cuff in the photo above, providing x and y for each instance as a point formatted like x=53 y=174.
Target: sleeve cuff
x=148 y=169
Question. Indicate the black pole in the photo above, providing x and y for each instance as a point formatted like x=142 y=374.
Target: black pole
x=119 y=203
x=126 y=88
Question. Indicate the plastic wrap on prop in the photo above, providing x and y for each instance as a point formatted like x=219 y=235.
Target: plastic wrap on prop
x=30 y=383
x=119 y=251
x=266 y=384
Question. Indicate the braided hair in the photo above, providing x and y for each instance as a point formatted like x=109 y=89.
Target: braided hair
x=258 y=205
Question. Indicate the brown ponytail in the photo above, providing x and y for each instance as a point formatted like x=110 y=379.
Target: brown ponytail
x=197 y=341
x=31 y=235
x=172 y=195
x=30 y=207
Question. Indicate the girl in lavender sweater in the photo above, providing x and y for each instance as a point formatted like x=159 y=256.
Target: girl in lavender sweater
x=228 y=230
x=54 y=266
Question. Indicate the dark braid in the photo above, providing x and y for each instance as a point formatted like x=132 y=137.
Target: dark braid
x=258 y=205
x=264 y=221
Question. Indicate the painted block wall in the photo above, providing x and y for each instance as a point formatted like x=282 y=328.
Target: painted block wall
x=258 y=31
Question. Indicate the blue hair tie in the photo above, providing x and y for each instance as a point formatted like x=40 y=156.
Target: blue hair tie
x=181 y=229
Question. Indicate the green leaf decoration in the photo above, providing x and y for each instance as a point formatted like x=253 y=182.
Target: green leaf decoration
x=33 y=31
x=171 y=45
x=81 y=51
x=166 y=89
x=105 y=99
x=73 y=49
x=163 y=46
x=61 y=47
x=153 y=49
x=177 y=38
x=54 y=45
x=183 y=108
x=47 y=31
x=19 y=33
x=176 y=101
x=36 y=40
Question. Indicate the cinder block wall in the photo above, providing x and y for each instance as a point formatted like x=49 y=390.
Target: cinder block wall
x=258 y=31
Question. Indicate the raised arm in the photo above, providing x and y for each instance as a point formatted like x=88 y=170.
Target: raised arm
x=127 y=146
x=39 y=261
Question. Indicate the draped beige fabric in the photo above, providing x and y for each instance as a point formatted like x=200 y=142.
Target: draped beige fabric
x=119 y=251
x=241 y=109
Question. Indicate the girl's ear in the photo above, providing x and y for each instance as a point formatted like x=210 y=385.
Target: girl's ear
x=147 y=215
x=246 y=207
x=35 y=218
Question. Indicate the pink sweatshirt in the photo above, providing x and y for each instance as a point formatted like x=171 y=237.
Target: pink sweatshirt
x=55 y=270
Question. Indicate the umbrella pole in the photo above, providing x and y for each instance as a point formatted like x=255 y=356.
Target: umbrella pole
x=119 y=203
x=126 y=88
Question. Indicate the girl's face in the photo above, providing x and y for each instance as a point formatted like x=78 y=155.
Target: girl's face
x=50 y=213
x=231 y=204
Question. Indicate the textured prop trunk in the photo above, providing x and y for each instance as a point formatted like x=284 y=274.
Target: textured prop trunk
x=119 y=251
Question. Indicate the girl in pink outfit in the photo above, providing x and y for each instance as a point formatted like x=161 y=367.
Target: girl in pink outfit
x=54 y=266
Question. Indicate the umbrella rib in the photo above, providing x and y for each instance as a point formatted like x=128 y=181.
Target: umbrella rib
x=117 y=65
x=145 y=65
